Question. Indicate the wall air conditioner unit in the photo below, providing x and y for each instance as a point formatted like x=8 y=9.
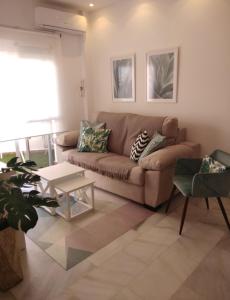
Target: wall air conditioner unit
x=60 y=21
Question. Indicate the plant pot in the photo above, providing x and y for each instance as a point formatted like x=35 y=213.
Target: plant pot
x=10 y=265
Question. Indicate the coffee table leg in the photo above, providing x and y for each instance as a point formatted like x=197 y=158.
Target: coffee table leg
x=41 y=189
x=75 y=196
x=81 y=195
x=92 y=195
x=68 y=207
x=52 y=195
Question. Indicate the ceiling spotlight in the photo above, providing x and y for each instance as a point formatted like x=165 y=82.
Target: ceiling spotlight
x=91 y=5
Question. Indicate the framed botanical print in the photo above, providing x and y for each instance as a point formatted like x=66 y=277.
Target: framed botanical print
x=162 y=75
x=123 y=78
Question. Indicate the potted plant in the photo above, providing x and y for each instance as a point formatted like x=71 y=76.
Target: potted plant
x=18 y=200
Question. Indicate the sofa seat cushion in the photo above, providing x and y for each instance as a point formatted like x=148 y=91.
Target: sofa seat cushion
x=136 y=173
x=109 y=164
x=77 y=158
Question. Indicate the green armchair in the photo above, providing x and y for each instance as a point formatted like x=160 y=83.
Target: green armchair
x=191 y=183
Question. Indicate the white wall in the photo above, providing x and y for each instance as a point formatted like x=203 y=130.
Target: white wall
x=201 y=28
x=17 y=13
x=21 y=14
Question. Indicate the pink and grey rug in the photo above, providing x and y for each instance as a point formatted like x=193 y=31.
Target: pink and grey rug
x=69 y=243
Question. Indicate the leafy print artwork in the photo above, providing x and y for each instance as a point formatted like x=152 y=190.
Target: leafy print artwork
x=161 y=75
x=94 y=140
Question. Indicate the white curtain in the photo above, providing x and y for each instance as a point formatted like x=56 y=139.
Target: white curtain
x=29 y=93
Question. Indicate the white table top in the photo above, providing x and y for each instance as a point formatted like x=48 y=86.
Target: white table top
x=59 y=171
x=73 y=184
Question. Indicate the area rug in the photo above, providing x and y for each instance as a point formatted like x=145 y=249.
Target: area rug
x=69 y=243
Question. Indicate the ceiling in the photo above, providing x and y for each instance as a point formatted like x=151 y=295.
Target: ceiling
x=83 y=4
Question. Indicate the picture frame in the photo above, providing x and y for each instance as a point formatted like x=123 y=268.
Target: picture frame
x=123 y=78
x=162 y=69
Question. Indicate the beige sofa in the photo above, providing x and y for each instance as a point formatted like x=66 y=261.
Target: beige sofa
x=148 y=182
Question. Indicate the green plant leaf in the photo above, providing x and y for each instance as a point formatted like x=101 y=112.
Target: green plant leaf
x=29 y=164
x=3 y=224
x=37 y=200
x=12 y=162
x=23 y=220
x=17 y=207
x=21 y=179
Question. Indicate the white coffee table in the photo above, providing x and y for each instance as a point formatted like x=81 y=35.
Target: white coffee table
x=64 y=179
x=77 y=187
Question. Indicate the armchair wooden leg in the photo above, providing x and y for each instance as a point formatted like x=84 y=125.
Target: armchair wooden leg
x=207 y=203
x=170 y=199
x=223 y=212
x=184 y=214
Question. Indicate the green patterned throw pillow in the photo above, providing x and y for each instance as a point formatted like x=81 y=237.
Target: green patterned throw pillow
x=85 y=124
x=209 y=165
x=157 y=142
x=94 y=140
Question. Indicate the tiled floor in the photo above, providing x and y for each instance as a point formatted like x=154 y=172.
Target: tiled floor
x=151 y=262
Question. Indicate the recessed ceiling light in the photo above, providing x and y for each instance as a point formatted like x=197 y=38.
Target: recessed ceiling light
x=91 y=5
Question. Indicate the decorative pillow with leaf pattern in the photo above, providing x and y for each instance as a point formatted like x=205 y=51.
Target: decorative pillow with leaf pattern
x=94 y=140
x=85 y=124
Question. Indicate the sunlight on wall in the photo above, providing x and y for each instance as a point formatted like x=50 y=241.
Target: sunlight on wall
x=102 y=24
x=198 y=3
x=144 y=10
x=80 y=21
x=195 y=7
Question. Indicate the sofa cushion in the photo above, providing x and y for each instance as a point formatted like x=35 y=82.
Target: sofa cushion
x=89 y=158
x=137 y=176
x=136 y=173
x=136 y=124
x=170 y=127
x=109 y=164
x=115 y=122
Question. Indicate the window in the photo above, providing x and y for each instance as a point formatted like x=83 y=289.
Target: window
x=29 y=89
x=29 y=93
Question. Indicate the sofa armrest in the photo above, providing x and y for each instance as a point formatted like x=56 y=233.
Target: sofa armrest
x=167 y=157
x=67 y=139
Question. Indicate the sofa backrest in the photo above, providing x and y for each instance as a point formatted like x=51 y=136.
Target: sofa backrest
x=136 y=124
x=115 y=122
x=126 y=127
